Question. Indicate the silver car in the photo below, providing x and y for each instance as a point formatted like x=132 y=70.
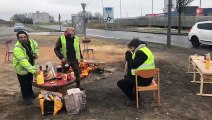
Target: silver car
x=18 y=27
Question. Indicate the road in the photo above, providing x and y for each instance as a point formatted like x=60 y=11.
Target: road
x=177 y=40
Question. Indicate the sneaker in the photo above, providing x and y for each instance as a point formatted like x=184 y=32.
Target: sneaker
x=27 y=101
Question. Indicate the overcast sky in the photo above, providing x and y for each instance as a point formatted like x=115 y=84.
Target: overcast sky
x=130 y=8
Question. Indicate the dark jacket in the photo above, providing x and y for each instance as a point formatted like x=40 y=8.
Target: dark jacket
x=71 y=54
x=29 y=53
x=139 y=59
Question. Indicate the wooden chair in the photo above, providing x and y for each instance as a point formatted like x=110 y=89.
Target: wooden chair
x=154 y=86
x=86 y=49
x=8 y=50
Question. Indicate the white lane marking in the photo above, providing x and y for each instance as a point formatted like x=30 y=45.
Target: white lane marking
x=102 y=36
x=40 y=33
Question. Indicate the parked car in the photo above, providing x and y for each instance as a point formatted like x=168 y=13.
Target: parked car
x=201 y=33
x=18 y=27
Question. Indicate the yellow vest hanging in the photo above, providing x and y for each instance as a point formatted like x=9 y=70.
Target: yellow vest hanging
x=148 y=64
x=76 y=47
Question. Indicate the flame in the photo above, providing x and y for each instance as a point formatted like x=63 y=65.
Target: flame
x=86 y=68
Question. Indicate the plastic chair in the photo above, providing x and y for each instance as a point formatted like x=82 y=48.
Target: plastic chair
x=86 y=49
x=8 y=50
x=154 y=86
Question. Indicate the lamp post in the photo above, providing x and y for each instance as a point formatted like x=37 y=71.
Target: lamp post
x=83 y=7
x=120 y=14
x=152 y=7
x=102 y=21
x=169 y=24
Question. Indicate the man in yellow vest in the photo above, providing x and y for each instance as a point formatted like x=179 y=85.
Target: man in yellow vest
x=24 y=54
x=68 y=51
x=138 y=58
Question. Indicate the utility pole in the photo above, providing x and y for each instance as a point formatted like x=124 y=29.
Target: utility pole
x=152 y=7
x=200 y=4
x=120 y=14
x=169 y=24
x=84 y=29
x=59 y=21
x=102 y=21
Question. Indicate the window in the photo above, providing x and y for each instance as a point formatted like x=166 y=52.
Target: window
x=205 y=26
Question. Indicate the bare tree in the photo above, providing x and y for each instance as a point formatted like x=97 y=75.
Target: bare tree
x=181 y=4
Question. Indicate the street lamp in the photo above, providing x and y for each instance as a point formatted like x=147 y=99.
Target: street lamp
x=120 y=8
x=83 y=7
x=102 y=21
x=152 y=7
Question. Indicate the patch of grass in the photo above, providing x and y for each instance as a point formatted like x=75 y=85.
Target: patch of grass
x=41 y=29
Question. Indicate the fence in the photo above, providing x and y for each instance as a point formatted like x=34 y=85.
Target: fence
x=161 y=21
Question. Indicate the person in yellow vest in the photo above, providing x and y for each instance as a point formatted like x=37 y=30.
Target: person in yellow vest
x=138 y=58
x=68 y=51
x=24 y=54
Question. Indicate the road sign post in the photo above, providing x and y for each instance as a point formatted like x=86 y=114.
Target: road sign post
x=108 y=15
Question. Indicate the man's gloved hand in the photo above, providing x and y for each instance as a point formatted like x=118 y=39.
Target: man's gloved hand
x=128 y=55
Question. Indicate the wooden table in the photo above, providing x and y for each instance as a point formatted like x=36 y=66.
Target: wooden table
x=199 y=67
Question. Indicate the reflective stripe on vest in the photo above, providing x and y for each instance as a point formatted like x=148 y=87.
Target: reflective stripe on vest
x=148 y=64
x=76 y=47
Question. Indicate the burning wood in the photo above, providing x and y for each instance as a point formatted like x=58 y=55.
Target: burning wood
x=85 y=68
x=92 y=66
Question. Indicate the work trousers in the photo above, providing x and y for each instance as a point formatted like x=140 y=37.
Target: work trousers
x=127 y=85
x=26 y=85
x=75 y=67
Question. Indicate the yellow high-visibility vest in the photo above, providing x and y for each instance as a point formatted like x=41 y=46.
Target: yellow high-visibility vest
x=21 y=60
x=76 y=46
x=148 y=64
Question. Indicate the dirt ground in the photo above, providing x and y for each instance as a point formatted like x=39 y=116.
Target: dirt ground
x=105 y=101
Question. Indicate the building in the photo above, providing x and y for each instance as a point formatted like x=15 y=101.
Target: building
x=174 y=5
x=40 y=17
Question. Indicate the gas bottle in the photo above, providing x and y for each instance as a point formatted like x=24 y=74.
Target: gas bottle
x=40 y=78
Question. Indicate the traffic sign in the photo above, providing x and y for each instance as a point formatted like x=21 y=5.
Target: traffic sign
x=108 y=14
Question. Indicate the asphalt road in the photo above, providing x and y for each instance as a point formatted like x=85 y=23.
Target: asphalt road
x=177 y=40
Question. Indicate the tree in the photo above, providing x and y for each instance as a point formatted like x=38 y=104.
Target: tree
x=88 y=15
x=97 y=15
x=181 y=4
x=21 y=18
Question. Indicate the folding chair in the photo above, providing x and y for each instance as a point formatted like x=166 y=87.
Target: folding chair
x=154 y=86
x=8 y=50
x=86 y=49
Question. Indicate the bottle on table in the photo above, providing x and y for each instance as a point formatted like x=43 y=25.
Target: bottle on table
x=40 y=77
x=207 y=61
x=46 y=71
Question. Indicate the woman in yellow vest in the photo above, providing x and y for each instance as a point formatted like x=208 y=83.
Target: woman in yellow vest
x=138 y=58
x=24 y=54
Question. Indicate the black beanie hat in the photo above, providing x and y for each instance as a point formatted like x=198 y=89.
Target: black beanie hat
x=21 y=32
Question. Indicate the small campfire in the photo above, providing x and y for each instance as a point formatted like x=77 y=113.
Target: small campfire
x=86 y=68
x=93 y=69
